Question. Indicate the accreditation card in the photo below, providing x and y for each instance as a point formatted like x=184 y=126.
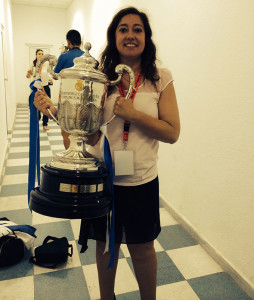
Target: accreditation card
x=124 y=163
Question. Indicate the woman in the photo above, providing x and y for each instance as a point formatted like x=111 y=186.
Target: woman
x=43 y=73
x=32 y=70
x=152 y=115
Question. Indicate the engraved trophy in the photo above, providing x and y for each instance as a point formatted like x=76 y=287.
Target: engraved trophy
x=75 y=184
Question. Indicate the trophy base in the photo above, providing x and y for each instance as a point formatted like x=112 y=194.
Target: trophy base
x=78 y=159
x=72 y=194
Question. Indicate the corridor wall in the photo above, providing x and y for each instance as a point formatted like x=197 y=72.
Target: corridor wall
x=7 y=78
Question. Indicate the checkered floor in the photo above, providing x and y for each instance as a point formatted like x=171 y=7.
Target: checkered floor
x=185 y=271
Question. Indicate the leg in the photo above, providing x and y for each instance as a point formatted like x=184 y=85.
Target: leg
x=39 y=115
x=45 y=118
x=145 y=265
x=45 y=122
x=106 y=276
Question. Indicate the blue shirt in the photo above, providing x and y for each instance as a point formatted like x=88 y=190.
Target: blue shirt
x=65 y=60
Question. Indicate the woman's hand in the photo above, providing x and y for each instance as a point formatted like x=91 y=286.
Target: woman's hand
x=29 y=74
x=124 y=108
x=166 y=128
x=42 y=102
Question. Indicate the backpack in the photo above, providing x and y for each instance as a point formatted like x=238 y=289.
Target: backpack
x=52 y=252
x=12 y=250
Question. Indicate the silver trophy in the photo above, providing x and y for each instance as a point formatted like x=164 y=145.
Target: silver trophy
x=75 y=184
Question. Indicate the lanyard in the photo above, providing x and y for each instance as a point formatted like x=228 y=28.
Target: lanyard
x=126 y=126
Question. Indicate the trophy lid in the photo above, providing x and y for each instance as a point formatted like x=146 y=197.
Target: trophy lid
x=85 y=68
x=86 y=60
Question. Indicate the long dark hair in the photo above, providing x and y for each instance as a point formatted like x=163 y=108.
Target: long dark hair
x=35 y=61
x=110 y=56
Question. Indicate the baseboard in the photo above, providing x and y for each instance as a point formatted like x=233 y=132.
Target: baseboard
x=9 y=131
x=4 y=164
x=237 y=276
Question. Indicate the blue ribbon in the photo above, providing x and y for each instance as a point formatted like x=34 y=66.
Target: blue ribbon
x=23 y=228
x=34 y=143
x=108 y=162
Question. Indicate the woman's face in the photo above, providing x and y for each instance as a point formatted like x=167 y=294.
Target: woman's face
x=130 y=37
x=39 y=55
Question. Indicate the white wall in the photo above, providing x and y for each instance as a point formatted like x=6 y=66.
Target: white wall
x=39 y=26
x=7 y=81
x=79 y=17
x=9 y=65
x=91 y=19
x=3 y=125
x=206 y=177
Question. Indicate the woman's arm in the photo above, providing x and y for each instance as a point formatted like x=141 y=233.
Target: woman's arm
x=166 y=128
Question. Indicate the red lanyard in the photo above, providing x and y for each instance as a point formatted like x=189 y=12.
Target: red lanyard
x=126 y=126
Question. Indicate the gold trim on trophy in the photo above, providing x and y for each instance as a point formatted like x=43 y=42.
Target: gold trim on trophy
x=79 y=85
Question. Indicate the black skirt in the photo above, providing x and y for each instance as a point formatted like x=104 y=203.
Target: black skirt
x=137 y=218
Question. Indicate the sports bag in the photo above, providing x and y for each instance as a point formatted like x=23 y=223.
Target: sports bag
x=12 y=250
x=52 y=252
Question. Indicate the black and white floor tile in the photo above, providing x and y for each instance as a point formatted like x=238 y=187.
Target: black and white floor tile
x=185 y=270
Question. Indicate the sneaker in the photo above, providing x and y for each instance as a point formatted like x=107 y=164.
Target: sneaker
x=45 y=128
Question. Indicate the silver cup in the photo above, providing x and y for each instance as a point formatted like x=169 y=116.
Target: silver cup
x=83 y=93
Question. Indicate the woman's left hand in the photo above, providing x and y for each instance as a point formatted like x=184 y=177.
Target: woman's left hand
x=165 y=128
x=124 y=108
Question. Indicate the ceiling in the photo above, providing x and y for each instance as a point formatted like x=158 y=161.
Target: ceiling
x=45 y=3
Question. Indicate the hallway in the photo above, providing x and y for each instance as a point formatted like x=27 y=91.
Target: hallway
x=185 y=271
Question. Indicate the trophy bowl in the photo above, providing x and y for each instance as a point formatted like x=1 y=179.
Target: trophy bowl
x=75 y=184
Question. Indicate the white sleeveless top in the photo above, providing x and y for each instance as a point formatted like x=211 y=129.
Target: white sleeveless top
x=144 y=148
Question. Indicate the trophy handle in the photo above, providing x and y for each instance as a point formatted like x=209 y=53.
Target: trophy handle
x=52 y=116
x=119 y=70
x=52 y=63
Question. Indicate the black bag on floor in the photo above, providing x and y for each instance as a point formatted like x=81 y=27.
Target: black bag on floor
x=52 y=252
x=12 y=250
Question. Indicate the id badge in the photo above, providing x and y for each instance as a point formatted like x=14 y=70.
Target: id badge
x=124 y=164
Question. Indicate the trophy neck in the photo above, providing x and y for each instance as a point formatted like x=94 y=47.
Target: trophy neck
x=75 y=157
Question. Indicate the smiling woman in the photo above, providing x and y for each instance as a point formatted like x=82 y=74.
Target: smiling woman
x=130 y=37
x=149 y=116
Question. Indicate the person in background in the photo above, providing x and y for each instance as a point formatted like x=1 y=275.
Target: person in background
x=65 y=60
x=153 y=117
x=45 y=78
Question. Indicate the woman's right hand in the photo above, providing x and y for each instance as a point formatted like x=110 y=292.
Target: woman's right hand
x=29 y=73
x=42 y=102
